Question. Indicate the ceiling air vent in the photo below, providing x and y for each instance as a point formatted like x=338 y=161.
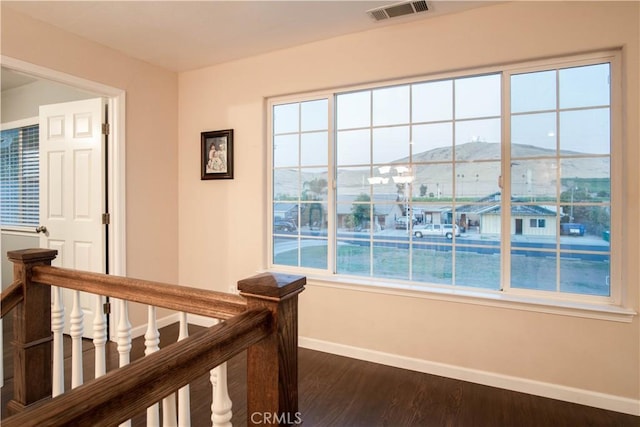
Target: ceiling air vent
x=398 y=9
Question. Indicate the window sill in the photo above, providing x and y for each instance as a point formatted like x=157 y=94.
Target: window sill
x=490 y=299
x=19 y=230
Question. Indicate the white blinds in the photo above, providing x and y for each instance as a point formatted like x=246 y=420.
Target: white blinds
x=19 y=176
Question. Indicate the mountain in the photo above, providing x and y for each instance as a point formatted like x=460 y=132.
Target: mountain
x=533 y=169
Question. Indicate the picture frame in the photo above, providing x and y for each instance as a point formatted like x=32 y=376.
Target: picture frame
x=216 y=154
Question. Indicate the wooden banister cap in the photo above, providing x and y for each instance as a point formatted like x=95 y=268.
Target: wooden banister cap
x=272 y=284
x=32 y=255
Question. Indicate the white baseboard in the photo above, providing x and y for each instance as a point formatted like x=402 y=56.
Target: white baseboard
x=193 y=319
x=139 y=331
x=196 y=319
x=523 y=385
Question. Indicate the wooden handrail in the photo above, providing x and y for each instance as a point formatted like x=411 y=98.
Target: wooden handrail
x=181 y=298
x=11 y=297
x=122 y=394
x=262 y=320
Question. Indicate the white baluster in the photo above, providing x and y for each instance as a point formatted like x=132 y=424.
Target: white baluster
x=57 y=327
x=184 y=401
x=151 y=345
x=124 y=334
x=213 y=379
x=169 y=415
x=221 y=403
x=124 y=340
x=76 y=329
x=100 y=337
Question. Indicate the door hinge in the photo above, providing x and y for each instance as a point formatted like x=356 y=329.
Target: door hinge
x=106 y=308
x=106 y=128
x=106 y=218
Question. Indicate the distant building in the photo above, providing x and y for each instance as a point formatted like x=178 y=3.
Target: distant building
x=526 y=218
x=287 y=211
x=386 y=210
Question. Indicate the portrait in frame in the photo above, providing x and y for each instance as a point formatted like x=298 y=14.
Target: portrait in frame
x=216 y=154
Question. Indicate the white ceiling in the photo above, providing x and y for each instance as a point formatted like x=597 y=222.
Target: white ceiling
x=187 y=35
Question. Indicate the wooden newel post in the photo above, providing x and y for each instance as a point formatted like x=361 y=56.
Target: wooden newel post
x=272 y=364
x=31 y=331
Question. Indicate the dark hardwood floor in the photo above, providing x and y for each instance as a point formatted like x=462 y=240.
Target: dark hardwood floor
x=337 y=391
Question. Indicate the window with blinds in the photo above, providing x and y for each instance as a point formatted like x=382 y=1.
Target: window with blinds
x=19 y=176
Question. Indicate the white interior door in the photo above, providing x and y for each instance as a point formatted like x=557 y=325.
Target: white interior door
x=72 y=192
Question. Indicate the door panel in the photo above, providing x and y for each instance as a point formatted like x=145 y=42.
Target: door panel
x=71 y=191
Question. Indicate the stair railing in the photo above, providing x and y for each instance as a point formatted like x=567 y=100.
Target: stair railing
x=262 y=319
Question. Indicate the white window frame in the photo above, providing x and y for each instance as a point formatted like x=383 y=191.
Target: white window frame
x=609 y=308
x=615 y=266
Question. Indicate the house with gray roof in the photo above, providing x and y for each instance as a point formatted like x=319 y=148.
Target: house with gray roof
x=526 y=218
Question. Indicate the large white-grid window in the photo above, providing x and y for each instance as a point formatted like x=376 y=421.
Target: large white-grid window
x=494 y=181
x=19 y=176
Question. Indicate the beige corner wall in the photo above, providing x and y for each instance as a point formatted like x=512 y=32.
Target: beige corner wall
x=223 y=227
x=151 y=136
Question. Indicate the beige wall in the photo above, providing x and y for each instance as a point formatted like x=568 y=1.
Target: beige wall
x=151 y=135
x=222 y=223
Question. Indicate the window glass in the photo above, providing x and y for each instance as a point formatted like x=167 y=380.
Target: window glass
x=535 y=132
x=313 y=253
x=560 y=202
x=391 y=106
x=353 y=147
x=314 y=148
x=584 y=275
x=391 y=144
x=586 y=86
x=314 y=184
x=475 y=268
x=427 y=138
x=432 y=101
x=351 y=182
x=432 y=263
x=533 y=91
x=533 y=270
x=286 y=118
x=407 y=187
x=390 y=260
x=300 y=184
x=478 y=139
x=433 y=182
x=285 y=150
x=314 y=115
x=353 y=110
x=285 y=251
x=477 y=97
x=286 y=184
x=353 y=256
x=19 y=176
x=585 y=131
x=535 y=180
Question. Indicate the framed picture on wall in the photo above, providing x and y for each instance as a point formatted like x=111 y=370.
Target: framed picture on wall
x=216 y=154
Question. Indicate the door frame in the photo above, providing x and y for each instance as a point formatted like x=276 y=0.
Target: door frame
x=116 y=156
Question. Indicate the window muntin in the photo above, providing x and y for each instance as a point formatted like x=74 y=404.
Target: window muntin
x=19 y=176
x=567 y=174
x=423 y=134
x=397 y=175
x=300 y=179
